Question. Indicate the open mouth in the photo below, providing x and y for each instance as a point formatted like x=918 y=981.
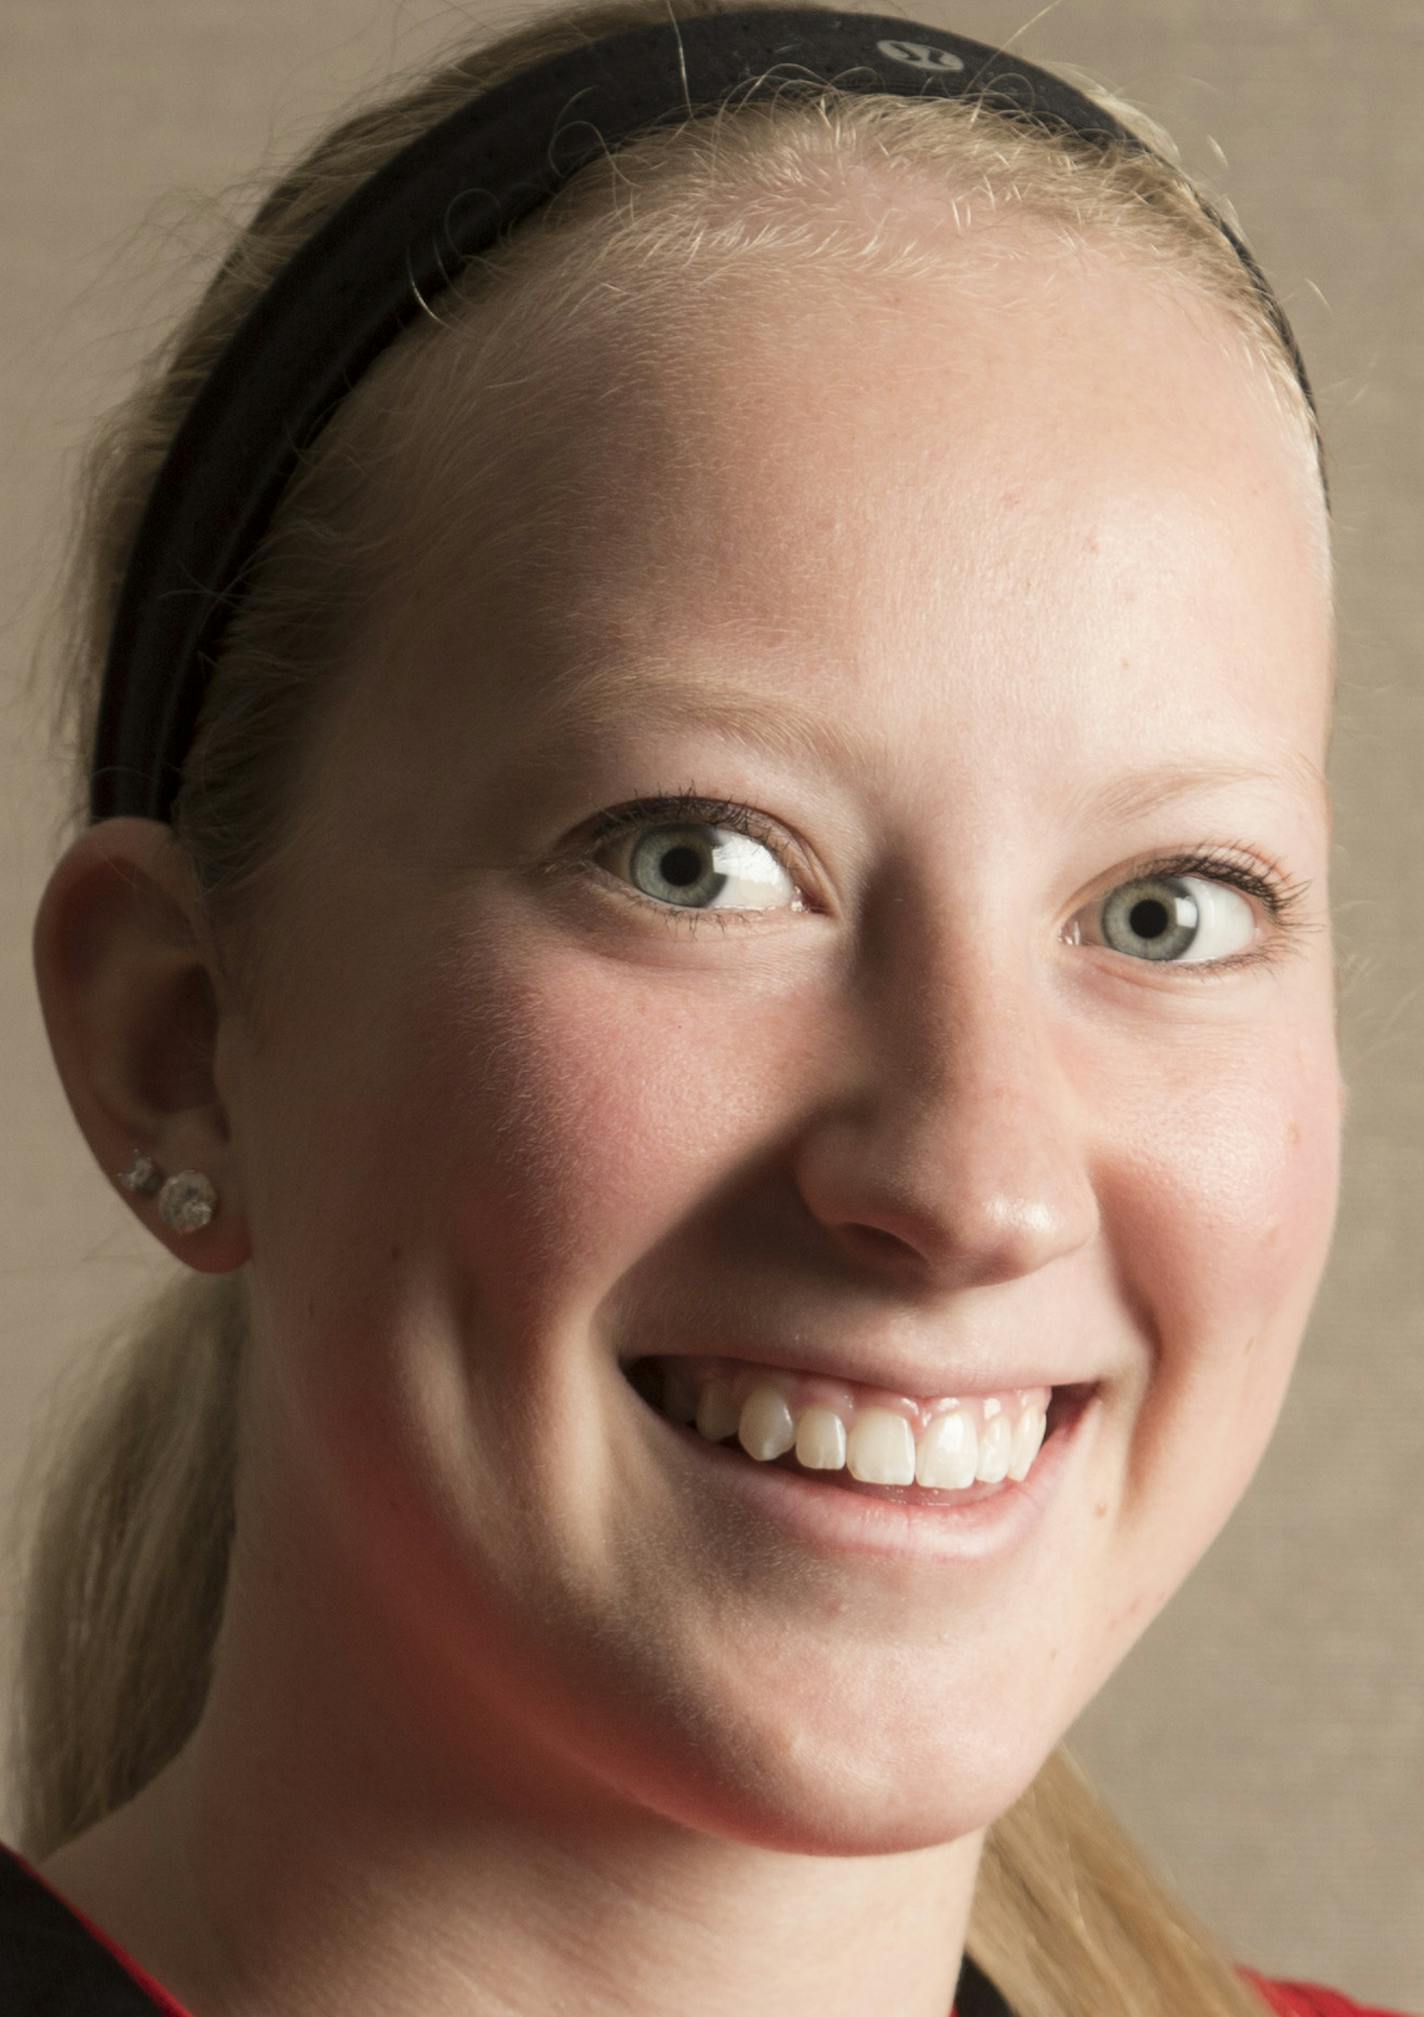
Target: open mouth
x=949 y=1454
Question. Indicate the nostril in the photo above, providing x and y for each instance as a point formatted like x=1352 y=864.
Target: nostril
x=876 y=1244
x=874 y=1238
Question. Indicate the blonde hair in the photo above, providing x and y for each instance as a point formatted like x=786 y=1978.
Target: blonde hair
x=131 y=1488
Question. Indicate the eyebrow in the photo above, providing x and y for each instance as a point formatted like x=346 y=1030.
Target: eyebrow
x=606 y=698
x=1139 y=792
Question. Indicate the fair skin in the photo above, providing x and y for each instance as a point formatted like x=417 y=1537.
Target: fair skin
x=513 y=1709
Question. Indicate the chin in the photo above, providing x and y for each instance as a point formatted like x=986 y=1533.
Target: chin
x=806 y=1792
x=849 y=1817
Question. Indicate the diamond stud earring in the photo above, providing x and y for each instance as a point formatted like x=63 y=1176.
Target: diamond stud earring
x=141 y=1174
x=186 y=1202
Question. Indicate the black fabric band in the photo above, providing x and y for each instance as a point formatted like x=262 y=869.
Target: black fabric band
x=398 y=241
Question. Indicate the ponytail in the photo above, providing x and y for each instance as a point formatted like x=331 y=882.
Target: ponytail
x=129 y=1492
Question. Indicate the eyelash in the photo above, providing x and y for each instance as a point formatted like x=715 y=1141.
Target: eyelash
x=1279 y=896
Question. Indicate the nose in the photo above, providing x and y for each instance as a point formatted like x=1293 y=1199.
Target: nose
x=962 y=1154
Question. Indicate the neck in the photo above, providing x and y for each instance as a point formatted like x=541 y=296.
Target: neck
x=312 y=1849
x=252 y=1890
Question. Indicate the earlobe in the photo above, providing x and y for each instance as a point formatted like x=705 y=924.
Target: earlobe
x=132 y=1006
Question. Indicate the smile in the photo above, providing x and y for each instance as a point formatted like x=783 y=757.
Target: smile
x=916 y=1449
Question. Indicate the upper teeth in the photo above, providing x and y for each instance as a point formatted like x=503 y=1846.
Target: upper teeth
x=947 y=1443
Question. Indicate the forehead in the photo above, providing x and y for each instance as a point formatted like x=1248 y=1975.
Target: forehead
x=1037 y=490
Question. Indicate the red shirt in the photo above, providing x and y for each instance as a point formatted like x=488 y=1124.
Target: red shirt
x=46 y=1943
x=1308 y=1999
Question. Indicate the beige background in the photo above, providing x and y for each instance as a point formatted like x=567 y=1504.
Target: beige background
x=1266 y=1738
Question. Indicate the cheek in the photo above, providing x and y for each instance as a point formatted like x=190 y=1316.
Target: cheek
x=593 y=1112
x=1226 y=1213
x=1236 y=1193
x=1219 y=1220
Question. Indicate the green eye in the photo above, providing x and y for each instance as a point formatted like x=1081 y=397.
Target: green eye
x=694 y=866
x=1177 y=919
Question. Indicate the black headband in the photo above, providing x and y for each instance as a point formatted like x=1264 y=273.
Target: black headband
x=401 y=238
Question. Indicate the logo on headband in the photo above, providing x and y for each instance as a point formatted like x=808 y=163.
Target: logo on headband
x=921 y=55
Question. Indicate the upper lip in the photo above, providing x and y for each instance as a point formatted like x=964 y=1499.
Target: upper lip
x=897 y=1375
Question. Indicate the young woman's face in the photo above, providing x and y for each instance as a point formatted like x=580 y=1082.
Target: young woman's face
x=1020 y=591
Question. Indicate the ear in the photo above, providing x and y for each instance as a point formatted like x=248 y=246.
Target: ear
x=134 y=1006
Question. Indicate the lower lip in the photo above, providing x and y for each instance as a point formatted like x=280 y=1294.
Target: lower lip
x=832 y=1520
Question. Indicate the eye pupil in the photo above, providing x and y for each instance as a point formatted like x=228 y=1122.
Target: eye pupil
x=680 y=867
x=1149 y=918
